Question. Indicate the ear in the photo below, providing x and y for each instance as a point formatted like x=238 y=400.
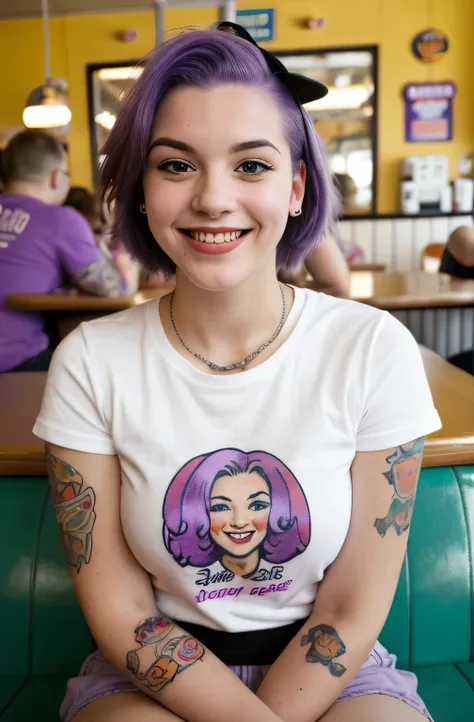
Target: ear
x=54 y=179
x=298 y=186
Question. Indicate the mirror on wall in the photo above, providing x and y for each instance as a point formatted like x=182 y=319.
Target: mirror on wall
x=346 y=119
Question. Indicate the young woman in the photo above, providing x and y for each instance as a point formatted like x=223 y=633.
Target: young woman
x=233 y=467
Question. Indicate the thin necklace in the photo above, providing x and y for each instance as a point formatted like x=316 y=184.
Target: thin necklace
x=241 y=365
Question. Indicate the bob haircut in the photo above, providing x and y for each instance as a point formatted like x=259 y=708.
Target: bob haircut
x=208 y=58
x=186 y=508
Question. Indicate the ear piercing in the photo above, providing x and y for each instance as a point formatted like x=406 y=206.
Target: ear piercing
x=296 y=212
x=143 y=208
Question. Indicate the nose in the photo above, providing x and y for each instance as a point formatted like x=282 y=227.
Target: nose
x=239 y=518
x=214 y=194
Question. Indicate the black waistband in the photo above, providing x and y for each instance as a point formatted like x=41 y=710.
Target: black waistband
x=245 y=648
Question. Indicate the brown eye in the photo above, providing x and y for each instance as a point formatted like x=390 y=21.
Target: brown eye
x=176 y=166
x=254 y=167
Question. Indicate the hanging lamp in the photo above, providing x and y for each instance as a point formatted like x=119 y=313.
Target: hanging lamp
x=44 y=106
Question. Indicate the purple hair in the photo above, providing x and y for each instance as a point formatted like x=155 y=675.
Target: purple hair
x=206 y=58
x=186 y=508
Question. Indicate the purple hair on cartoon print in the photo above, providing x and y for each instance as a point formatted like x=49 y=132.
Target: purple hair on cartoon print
x=186 y=516
x=207 y=58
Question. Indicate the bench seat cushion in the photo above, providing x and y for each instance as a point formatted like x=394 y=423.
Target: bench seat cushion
x=447 y=691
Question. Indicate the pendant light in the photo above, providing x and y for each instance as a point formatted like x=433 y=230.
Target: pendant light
x=44 y=106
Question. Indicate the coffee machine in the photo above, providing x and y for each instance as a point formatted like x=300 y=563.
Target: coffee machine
x=424 y=185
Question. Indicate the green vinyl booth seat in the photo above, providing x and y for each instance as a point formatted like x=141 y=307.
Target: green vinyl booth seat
x=430 y=628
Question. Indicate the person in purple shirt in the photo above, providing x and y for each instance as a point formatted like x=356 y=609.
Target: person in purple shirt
x=41 y=243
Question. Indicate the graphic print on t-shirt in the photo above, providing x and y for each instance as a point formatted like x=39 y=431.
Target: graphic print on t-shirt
x=12 y=224
x=237 y=509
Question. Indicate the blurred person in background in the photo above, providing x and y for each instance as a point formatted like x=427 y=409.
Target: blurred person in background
x=327 y=267
x=458 y=256
x=85 y=202
x=39 y=242
x=458 y=261
x=111 y=247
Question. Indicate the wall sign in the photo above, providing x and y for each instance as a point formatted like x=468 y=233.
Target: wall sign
x=430 y=45
x=429 y=112
x=259 y=23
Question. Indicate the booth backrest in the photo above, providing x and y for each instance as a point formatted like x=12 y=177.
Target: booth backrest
x=431 y=620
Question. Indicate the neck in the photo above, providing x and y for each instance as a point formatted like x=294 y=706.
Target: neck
x=225 y=326
x=241 y=567
x=24 y=188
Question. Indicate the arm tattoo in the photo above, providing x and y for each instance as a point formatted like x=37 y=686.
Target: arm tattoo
x=326 y=645
x=102 y=278
x=164 y=653
x=75 y=512
x=403 y=475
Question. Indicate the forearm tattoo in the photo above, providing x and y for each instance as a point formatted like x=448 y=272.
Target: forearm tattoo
x=403 y=474
x=164 y=653
x=101 y=278
x=75 y=510
x=326 y=645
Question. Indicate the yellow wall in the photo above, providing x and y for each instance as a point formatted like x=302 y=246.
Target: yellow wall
x=391 y=24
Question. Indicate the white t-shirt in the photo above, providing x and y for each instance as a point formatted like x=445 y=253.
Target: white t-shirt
x=236 y=489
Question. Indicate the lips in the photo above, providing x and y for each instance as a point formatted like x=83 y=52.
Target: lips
x=241 y=537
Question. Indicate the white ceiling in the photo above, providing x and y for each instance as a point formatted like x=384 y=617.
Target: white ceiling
x=32 y=8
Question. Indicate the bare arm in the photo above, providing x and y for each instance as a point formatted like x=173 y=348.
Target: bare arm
x=329 y=269
x=101 y=278
x=116 y=595
x=461 y=245
x=355 y=596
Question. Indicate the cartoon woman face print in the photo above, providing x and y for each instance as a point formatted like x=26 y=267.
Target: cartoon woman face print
x=235 y=508
x=239 y=512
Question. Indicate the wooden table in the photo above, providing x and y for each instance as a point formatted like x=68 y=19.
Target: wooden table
x=21 y=453
x=416 y=289
x=384 y=290
x=80 y=302
x=366 y=267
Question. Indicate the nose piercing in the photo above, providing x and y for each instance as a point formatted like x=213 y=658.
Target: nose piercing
x=143 y=208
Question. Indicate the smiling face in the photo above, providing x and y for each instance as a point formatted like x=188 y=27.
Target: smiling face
x=219 y=184
x=239 y=510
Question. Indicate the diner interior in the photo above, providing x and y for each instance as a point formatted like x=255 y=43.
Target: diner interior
x=397 y=125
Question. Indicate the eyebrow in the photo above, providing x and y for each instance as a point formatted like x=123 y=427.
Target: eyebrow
x=237 y=148
x=226 y=498
x=257 y=493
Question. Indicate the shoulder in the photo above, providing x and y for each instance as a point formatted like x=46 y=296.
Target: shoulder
x=345 y=329
x=71 y=221
x=345 y=316
x=110 y=341
x=461 y=245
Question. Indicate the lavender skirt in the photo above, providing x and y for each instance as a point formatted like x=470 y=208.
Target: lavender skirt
x=378 y=675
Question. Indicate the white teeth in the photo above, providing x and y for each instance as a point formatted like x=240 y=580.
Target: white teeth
x=216 y=237
x=240 y=536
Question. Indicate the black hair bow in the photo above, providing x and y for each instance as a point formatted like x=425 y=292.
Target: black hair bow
x=303 y=89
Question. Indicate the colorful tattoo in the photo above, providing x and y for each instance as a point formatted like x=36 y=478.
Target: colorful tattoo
x=75 y=510
x=101 y=277
x=162 y=654
x=326 y=645
x=403 y=475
